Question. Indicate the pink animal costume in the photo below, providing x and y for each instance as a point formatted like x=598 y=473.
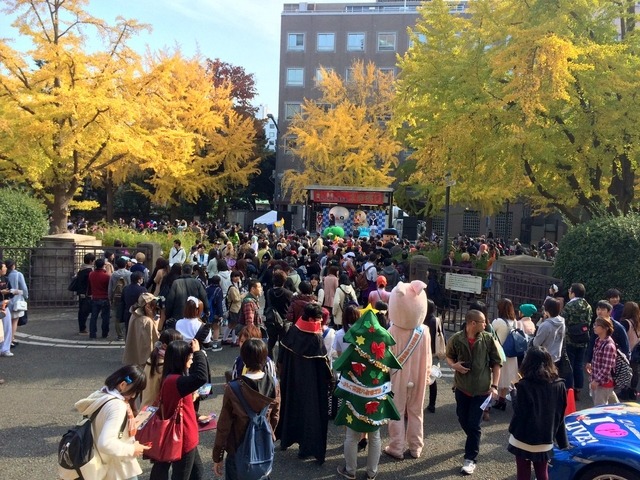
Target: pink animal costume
x=407 y=311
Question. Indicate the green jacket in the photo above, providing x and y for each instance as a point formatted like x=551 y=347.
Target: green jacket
x=482 y=358
x=576 y=311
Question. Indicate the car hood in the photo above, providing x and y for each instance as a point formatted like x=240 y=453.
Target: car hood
x=614 y=427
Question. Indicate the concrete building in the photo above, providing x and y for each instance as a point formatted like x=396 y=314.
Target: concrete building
x=333 y=35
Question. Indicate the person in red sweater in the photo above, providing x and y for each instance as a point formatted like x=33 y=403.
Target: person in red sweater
x=98 y=290
x=184 y=372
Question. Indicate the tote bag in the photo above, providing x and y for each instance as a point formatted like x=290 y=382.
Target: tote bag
x=165 y=435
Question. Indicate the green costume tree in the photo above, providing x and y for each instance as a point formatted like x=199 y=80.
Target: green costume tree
x=365 y=385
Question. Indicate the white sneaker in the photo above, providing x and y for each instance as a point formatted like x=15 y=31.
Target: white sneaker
x=468 y=467
x=216 y=347
x=6 y=354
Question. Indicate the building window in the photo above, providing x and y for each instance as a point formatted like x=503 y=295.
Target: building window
x=295 y=77
x=326 y=42
x=471 y=223
x=388 y=71
x=355 y=42
x=349 y=75
x=319 y=77
x=437 y=226
x=289 y=144
x=503 y=224
x=291 y=110
x=325 y=107
x=422 y=38
x=386 y=42
x=295 y=41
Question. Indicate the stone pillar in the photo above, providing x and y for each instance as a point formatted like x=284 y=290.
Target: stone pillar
x=54 y=264
x=419 y=268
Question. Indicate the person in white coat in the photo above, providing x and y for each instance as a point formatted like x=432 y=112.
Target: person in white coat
x=502 y=325
x=114 y=427
x=344 y=291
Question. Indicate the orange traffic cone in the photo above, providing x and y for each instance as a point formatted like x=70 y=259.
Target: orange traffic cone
x=571 y=403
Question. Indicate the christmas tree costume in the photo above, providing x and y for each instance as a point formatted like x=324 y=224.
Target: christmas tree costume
x=365 y=371
x=365 y=387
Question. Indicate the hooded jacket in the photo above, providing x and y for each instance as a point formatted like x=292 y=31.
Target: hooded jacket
x=233 y=420
x=550 y=336
x=113 y=457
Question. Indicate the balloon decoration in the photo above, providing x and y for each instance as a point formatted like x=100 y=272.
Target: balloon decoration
x=333 y=232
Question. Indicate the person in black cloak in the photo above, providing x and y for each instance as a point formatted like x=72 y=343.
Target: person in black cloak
x=305 y=382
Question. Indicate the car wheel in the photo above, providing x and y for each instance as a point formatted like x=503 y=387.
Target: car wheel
x=609 y=472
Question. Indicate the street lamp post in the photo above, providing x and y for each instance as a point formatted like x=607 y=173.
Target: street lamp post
x=448 y=183
x=276 y=180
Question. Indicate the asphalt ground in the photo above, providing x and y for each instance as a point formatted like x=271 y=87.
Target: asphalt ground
x=53 y=367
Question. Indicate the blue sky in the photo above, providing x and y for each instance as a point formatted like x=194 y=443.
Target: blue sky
x=241 y=32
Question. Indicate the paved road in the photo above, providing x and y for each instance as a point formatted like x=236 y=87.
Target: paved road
x=53 y=367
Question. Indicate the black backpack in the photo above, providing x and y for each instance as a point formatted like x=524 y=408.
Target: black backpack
x=75 y=449
x=254 y=455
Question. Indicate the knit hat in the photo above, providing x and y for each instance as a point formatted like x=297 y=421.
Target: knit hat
x=528 y=309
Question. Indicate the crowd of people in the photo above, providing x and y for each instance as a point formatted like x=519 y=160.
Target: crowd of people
x=289 y=302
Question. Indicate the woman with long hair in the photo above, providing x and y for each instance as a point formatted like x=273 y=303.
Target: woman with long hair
x=19 y=289
x=630 y=320
x=539 y=401
x=113 y=427
x=154 y=366
x=502 y=325
x=159 y=272
x=185 y=371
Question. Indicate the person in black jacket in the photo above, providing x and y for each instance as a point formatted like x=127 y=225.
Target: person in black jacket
x=277 y=298
x=539 y=402
x=82 y=284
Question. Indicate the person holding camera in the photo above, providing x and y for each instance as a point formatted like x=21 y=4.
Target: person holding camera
x=142 y=333
x=474 y=357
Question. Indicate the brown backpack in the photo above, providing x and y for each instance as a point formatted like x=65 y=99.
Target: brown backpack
x=361 y=279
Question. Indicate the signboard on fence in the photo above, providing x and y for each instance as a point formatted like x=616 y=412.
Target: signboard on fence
x=463 y=283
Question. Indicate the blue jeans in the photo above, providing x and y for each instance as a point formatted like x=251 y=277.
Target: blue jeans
x=103 y=308
x=470 y=417
x=576 y=358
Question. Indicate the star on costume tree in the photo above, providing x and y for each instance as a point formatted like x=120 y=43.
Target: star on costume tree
x=365 y=376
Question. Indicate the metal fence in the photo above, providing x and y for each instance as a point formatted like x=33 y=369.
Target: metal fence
x=48 y=271
x=518 y=285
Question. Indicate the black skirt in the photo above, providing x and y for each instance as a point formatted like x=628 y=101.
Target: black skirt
x=532 y=456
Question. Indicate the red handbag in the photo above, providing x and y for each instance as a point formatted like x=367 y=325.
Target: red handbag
x=165 y=435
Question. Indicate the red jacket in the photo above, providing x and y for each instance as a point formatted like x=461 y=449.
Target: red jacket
x=99 y=285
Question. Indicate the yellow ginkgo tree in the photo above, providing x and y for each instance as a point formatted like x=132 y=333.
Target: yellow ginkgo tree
x=197 y=143
x=64 y=110
x=349 y=143
x=535 y=100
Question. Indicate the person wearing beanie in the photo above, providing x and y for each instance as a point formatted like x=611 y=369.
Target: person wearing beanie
x=380 y=294
x=527 y=310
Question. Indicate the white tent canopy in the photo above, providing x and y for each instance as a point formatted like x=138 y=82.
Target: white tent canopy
x=268 y=218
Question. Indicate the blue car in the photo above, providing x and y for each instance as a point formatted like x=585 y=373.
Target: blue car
x=605 y=445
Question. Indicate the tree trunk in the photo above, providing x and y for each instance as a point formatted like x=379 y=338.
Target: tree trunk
x=108 y=186
x=60 y=210
x=222 y=205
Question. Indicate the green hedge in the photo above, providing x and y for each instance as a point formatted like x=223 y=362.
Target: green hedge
x=602 y=254
x=23 y=219
x=108 y=234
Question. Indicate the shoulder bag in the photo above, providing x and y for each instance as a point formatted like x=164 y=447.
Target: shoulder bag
x=163 y=435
